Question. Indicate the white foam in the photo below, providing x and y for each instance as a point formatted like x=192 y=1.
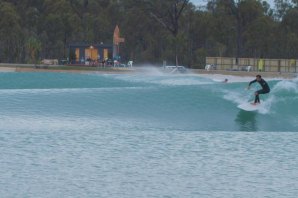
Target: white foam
x=266 y=105
x=166 y=79
x=231 y=79
x=236 y=97
x=245 y=97
x=184 y=81
x=288 y=85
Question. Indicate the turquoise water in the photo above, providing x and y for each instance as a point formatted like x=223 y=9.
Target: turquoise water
x=145 y=135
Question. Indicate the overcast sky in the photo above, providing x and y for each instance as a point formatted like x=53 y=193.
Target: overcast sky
x=202 y=2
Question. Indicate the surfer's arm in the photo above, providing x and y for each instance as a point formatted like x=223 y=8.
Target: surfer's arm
x=251 y=82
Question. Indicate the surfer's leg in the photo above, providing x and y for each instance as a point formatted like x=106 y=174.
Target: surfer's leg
x=262 y=91
x=257 y=98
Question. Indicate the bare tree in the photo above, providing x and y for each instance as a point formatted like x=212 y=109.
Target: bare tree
x=167 y=13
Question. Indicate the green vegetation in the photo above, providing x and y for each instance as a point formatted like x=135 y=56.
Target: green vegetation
x=154 y=30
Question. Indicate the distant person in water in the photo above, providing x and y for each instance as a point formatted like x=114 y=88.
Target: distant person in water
x=225 y=81
x=265 y=88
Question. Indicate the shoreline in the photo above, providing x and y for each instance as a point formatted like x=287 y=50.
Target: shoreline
x=286 y=75
x=113 y=70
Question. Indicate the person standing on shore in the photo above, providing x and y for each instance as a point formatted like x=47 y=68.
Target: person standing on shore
x=265 y=88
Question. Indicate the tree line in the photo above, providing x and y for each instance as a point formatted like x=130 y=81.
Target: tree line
x=154 y=30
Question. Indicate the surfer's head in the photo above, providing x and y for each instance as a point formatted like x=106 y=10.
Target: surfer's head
x=258 y=77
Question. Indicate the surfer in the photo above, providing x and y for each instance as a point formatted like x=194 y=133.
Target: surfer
x=265 y=88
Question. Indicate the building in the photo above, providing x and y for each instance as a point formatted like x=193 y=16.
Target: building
x=86 y=53
x=80 y=53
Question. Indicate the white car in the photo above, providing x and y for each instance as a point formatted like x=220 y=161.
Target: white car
x=172 y=69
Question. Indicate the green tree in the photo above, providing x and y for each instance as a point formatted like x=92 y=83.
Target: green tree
x=289 y=27
x=282 y=6
x=58 y=27
x=33 y=46
x=11 y=37
x=167 y=13
x=258 y=37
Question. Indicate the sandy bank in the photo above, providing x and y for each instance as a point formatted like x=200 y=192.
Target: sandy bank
x=7 y=69
x=141 y=70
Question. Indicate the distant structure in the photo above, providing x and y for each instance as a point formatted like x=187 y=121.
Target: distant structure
x=252 y=64
x=84 y=53
x=94 y=53
x=116 y=42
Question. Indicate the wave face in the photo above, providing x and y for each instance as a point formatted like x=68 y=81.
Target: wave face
x=158 y=102
x=145 y=135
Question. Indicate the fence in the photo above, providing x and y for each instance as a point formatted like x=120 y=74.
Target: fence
x=257 y=64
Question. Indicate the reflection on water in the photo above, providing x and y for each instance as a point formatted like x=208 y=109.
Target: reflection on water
x=247 y=120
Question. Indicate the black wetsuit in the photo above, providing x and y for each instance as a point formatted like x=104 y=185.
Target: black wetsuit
x=265 y=89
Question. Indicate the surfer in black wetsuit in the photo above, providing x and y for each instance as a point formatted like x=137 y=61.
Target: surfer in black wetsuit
x=265 y=88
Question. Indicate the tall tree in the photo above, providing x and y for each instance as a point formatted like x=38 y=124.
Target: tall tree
x=289 y=26
x=33 y=46
x=167 y=13
x=11 y=37
x=59 y=27
x=282 y=6
x=258 y=37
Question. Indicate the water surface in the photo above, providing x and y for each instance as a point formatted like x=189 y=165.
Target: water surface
x=145 y=135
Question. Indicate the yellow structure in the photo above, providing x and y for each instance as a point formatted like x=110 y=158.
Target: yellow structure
x=256 y=64
x=260 y=65
x=82 y=52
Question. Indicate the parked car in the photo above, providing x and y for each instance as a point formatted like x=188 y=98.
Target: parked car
x=174 y=69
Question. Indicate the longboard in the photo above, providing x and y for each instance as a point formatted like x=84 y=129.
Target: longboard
x=248 y=106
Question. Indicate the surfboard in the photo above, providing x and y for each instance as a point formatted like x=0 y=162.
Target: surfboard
x=248 y=106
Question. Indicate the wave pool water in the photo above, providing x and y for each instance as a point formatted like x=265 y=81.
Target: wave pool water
x=145 y=135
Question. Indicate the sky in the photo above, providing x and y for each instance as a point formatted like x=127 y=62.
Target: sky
x=202 y=2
